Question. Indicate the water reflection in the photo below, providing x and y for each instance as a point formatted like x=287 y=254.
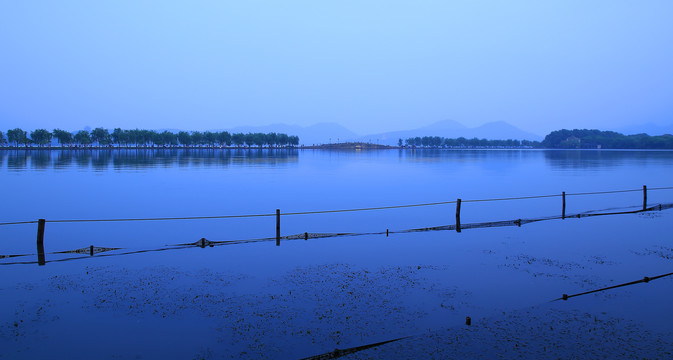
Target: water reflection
x=103 y=160
x=16 y=159
x=588 y=159
x=40 y=160
x=432 y=155
x=137 y=159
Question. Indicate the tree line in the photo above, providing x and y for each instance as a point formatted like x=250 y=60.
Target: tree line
x=442 y=142
x=137 y=138
x=592 y=139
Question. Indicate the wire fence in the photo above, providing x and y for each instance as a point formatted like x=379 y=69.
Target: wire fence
x=644 y=190
x=458 y=227
x=90 y=251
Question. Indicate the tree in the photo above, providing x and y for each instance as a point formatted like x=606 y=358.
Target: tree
x=146 y=136
x=101 y=136
x=238 y=139
x=223 y=138
x=283 y=139
x=63 y=137
x=82 y=137
x=168 y=138
x=119 y=136
x=41 y=137
x=294 y=140
x=133 y=136
x=259 y=139
x=197 y=138
x=249 y=139
x=209 y=138
x=271 y=139
x=2 y=139
x=17 y=136
x=184 y=138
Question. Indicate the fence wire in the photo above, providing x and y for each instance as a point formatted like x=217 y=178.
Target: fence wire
x=332 y=211
x=203 y=242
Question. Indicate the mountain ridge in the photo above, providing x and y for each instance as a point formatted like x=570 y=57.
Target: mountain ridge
x=496 y=130
x=330 y=132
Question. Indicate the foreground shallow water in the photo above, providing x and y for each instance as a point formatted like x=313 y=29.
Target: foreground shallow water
x=299 y=299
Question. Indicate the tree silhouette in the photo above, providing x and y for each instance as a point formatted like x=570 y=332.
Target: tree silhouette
x=101 y=136
x=40 y=137
x=63 y=137
x=141 y=137
x=17 y=136
x=82 y=137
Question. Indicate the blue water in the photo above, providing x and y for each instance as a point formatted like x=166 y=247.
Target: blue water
x=279 y=293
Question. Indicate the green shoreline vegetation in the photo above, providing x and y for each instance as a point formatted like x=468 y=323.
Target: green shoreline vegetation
x=559 y=139
x=102 y=138
x=596 y=139
x=461 y=142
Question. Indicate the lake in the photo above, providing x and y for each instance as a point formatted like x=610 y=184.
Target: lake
x=154 y=297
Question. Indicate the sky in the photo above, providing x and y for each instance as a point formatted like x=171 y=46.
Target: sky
x=370 y=66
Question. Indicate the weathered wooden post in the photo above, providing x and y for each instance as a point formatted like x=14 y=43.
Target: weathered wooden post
x=563 y=214
x=305 y=236
x=644 y=197
x=91 y=250
x=40 y=242
x=458 y=215
x=277 y=227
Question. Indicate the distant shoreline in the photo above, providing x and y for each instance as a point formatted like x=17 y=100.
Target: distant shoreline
x=334 y=146
x=312 y=147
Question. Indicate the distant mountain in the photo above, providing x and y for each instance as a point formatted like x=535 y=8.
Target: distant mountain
x=501 y=130
x=498 y=130
x=649 y=129
x=324 y=133
x=444 y=125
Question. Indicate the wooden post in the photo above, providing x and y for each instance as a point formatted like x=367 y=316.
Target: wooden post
x=644 y=197
x=458 y=215
x=305 y=236
x=40 y=242
x=91 y=250
x=563 y=214
x=277 y=227
x=387 y=232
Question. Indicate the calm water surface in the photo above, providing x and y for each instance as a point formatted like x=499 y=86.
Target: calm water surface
x=323 y=293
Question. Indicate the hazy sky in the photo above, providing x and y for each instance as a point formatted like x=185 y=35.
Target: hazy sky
x=368 y=65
